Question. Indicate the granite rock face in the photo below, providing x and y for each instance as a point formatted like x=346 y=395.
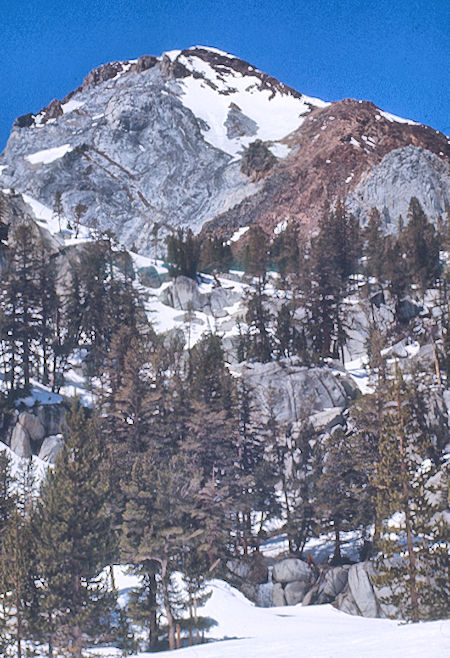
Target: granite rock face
x=294 y=391
x=294 y=592
x=132 y=145
x=20 y=442
x=184 y=294
x=50 y=448
x=167 y=141
x=403 y=173
x=37 y=431
x=292 y=570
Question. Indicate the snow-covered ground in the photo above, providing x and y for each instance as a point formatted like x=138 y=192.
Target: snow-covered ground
x=46 y=217
x=18 y=465
x=245 y=631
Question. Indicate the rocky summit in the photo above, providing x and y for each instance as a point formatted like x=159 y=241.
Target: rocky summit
x=201 y=139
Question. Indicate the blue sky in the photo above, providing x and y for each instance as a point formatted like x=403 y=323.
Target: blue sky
x=395 y=53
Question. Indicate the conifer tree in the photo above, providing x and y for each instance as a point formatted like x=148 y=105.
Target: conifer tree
x=259 y=319
x=48 y=303
x=215 y=256
x=79 y=211
x=396 y=269
x=285 y=331
x=19 y=295
x=6 y=498
x=339 y=488
x=374 y=247
x=323 y=291
x=256 y=255
x=421 y=246
x=73 y=538
x=159 y=523
x=106 y=298
x=58 y=209
x=197 y=595
x=183 y=254
x=254 y=496
x=407 y=461
x=286 y=253
x=17 y=565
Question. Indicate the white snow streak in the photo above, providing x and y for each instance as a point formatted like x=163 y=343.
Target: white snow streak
x=71 y=105
x=394 y=118
x=238 y=234
x=48 y=155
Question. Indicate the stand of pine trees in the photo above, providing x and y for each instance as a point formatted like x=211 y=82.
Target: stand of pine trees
x=173 y=472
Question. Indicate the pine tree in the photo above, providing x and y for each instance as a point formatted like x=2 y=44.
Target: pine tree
x=323 y=292
x=286 y=253
x=365 y=425
x=47 y=302
x=142 y=607
x=374 y=249
x=194 y=567
x=7 y=508
x=134 y=410
x=79 y=211
x=58 y=209
x=74 y=540
x=415 y=535
x=215 y=256
x=339 y=488
x=285 y=332
x=211 y=427
x=183 y=254
x=17 y=566
x=421 y=247
x=6 y=498
x=106 y=300
x=396 y=268
x=256 y=258
x=259 y=318
x=19 y=295
x=159 y=523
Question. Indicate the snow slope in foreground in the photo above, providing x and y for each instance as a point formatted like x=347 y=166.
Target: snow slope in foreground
x=304 y=632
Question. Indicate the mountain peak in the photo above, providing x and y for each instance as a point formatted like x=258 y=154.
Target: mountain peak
x=166 y=140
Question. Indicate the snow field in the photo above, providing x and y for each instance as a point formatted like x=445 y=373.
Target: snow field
x=245 y=631
x=276 y=116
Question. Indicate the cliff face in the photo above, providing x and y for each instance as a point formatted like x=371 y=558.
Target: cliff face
x=353 y=151
x=165 y=140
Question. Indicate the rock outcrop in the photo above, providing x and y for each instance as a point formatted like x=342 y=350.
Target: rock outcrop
x=290 y=581
x=294 y=392
x=50 y=448
x=20 y=442
x=403 y=173
x=36 y=431
x=184 y=294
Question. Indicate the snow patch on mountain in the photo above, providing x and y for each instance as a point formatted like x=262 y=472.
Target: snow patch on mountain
x=211 y=91
x=46 y=218
x=237 y=235
x=213 y=50
x=394 y=118
x=48 y=155
x=280 y=150
x=71 y=105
